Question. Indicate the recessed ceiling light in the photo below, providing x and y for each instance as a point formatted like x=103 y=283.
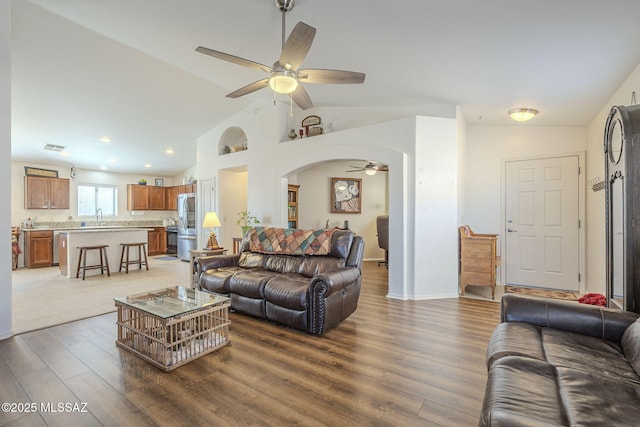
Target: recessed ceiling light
x=147 y=165
x=65 y=153
x=169 y=151
x=103 y=167
x=112 y=160
x=105 y=139
x=522 y=114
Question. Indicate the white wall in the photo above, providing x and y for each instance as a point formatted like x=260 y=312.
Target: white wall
x=596 y=253
x=269 y=162
x=232 y=197
x=314 y=202
x=462 y=171
x=487 y=147
x=5 y=171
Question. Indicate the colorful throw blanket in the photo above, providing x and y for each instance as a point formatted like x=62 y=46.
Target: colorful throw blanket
x=290 y=241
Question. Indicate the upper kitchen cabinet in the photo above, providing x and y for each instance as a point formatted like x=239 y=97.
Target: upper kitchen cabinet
x=145 y=197
x=156 y=198
x=46 y=193
x=137 y=197
x=187 y=188
x=171 y=198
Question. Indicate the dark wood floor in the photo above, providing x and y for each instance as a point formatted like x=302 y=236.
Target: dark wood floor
x=396 y=363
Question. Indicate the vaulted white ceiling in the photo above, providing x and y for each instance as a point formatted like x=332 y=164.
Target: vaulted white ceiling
x=127 y=69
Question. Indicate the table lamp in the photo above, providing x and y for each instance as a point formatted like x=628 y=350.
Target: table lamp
x=211 y=221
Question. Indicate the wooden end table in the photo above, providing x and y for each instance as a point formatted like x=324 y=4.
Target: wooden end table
x=195 y=253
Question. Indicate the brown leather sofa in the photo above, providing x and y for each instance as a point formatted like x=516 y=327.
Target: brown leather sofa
x=563 y=364
x=308 y=292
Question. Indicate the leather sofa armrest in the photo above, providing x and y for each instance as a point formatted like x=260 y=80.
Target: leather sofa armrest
x=334 y=281
x=215 y=261
x=583 y=319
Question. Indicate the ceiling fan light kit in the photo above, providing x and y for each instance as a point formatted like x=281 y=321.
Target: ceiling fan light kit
x=286 y=75
x=522 y=114
x=283 y=82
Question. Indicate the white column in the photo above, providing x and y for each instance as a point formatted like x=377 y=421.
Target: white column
x=5 y=169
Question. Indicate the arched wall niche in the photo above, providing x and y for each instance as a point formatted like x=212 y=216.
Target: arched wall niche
x=232 y=139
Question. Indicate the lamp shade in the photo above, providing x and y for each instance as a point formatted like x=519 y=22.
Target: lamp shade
x=211 y=220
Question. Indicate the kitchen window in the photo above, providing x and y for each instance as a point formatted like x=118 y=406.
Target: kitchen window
x=92 y=197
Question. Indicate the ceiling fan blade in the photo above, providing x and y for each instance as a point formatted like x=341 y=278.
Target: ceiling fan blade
x=297 y=46
x=330 y=76
x=234 y=59
x=359 y=170
x=301 y=98
x=249 y=88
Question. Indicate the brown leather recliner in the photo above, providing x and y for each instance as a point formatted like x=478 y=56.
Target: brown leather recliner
x=308 y=292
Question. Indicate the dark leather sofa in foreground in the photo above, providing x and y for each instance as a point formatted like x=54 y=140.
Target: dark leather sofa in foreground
x=557 y=363
x=306 y=279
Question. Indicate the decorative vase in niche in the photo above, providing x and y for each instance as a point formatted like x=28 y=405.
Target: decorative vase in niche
x=293 y=134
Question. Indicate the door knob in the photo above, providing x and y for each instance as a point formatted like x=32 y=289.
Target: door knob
x=511 y=230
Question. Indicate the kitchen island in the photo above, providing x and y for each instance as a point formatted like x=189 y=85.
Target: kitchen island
x=70 y=240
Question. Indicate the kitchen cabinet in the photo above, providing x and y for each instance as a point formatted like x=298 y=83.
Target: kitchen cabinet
x=137 y=197
x=46 y=193
x=171 y=198
x=157 y=241
x=38 y=249
x=187 y=188
x=156 y=198
x=147 y=197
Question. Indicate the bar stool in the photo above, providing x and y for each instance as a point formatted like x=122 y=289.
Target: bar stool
x=126 y=262
x=82 y=260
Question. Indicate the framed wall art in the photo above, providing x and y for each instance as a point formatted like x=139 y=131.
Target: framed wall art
x=159 y=182
x=346 y=195
x=48 y=173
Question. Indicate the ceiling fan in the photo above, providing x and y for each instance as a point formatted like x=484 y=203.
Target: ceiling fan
x=370 y=168
x=285 y=74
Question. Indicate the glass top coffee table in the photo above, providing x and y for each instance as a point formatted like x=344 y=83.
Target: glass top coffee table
x=172 y=326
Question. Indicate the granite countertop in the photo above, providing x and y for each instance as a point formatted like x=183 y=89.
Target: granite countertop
x=103 y=229
x=92 y=229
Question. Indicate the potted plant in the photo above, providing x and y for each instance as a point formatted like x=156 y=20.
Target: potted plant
x=246 y=221
x=142 y=182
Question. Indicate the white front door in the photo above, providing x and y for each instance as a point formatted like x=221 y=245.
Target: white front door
x=542 y=246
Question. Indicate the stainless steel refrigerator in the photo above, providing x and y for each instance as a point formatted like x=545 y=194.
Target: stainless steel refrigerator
x=186 y=225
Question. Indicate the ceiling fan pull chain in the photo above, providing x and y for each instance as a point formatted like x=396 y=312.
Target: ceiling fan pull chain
x=291 y=105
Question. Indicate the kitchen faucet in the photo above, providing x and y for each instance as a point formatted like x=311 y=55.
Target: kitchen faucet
x=99 y=216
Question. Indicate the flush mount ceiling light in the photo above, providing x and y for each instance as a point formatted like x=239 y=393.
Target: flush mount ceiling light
x=522 y=114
